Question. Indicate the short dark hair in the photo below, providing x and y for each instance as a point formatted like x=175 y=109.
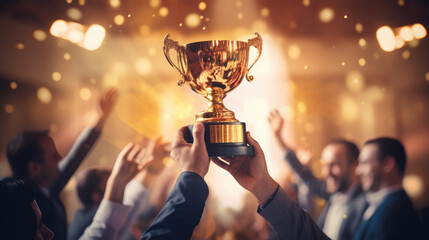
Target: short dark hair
x=391 y=147
x=23 y=148
x=17 y=218
x=351 y=149
x=88 y=182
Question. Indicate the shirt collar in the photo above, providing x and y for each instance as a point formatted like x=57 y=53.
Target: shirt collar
x=378 y=196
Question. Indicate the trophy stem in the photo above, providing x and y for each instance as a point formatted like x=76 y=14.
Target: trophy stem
x=216 y=111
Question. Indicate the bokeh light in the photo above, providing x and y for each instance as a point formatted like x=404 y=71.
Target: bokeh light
x=359 y=27
x=427 y=76
x=44 y=95
x=144 y=30
x=413 y=184
x=13 y=85
x=143 y=66
x=67 y=56
x=240 y=15
x=306 y=3
x=265 y=12
x=74 y=14
x=39 y=35
x=406 y=33
x=202 y=6
x=294 y=51
x=406 y=54
x=9 y=108
x=115 y=3
x=163 y=12
x=349 y=108
x=362 y=42
x=155 y=3
x=386 y=38
x=362 y=62
x=119 y=19
x=192 y=20
x=85 y=94
x=152 y=51
x=326 y=15
x=20 y=46
x=355 y=81
x=419 y=31
x=301 y=107
x=94 y=37
x=399 y=42
x=58 y=28
x=56 y=76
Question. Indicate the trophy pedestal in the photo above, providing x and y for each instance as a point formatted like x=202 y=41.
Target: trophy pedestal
x=225 y=139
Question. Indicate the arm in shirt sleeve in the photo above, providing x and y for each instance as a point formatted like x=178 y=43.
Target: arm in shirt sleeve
x=107 y=222
x=315 y=185
x=74 y=158
x=182 y=210
x=288 y=219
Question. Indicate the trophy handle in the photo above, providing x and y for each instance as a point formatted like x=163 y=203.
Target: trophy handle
x=170 y=44
x=257 y=43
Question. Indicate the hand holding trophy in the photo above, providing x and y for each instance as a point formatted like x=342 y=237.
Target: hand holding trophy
x=213 y=68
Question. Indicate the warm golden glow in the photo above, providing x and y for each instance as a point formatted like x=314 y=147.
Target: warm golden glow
x=58 y=28
x=13 y=85
x=85 y=94
x=419 y=31
x=152 y=51
x=74 y=14
x=427 y=76
x=343 y=64
x=294 y=51
x=375 y=94
x=44 y=95
x=144 y=30
x=67 y=56
x=309 y=128
x=302 y=108
x=355 y=81
x=115 y=3
x=20 y=46
x=69 y=1
x=202 y=6
x=359 y=27
x=143 y=66
x=362 y=62
x=192 y=20
x=119 y=19
x=120 y=69
x=56 y=76
x=265 y=12
x=414 y=185
x=75 y=32
x=287 y=112
x=386 y=38
x=349 y=109
x=399 y=42
x=39 y=35
x=110 y=80
x=240 y=16
x=326 y=15
x=163 y=12
x=8 y=108
x=306 y=3
x=155 y=3
x=94 y=37
x=401 y=3
x=406 y=33
x=82 y=2
x=345 y=17
x=406 y=54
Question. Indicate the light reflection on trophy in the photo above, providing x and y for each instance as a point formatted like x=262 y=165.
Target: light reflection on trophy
x=213 y=68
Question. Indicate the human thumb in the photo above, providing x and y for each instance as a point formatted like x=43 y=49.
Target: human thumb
x=198 y=133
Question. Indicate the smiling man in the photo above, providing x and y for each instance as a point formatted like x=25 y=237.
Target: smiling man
x=391 y=214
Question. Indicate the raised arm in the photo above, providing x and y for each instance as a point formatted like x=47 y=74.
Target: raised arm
x=84 y=142
x=288 y=219
x=184 y=206
x=315 y=185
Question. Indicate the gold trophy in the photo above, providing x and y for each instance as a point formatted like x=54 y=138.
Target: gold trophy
x=213 y=68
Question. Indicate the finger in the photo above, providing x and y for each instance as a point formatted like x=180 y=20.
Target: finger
x=198 y=133
x=252 y=142
x=126 y=150
x=145 y=163
x=132 y=157
x=179 y=137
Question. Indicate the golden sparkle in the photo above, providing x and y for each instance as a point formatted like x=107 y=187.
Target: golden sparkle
x=85 y=94
x=306 y=3
x=44 y=95
x=163 y=12
x=359 y=27
x=8 y=108
x=67 y=56
x=362 y=62
x=192 y=20
x=326 y=15
x=20 y=46
x=202 y=6
x=294 y=51
x=427 y=76
x=119 y=19
x=13 y=85
x=39 y=35
x=406 y=54
x=265 y=12
x=56 y=76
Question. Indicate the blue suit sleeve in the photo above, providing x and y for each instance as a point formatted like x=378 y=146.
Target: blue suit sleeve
x=182 y=210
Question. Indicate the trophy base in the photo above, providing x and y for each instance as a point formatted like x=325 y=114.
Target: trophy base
x=225 y=139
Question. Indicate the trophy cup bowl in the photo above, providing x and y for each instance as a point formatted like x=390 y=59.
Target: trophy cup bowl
x=213 y=68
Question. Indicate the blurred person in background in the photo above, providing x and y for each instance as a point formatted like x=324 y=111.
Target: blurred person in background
x=32 y=156
x=346 y=204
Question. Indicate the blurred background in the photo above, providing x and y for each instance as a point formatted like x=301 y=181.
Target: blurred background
x=355 y=69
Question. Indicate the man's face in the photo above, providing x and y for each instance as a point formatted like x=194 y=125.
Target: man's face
x=42 y=232
x=336 y=170
x=51 y=158
x=369 y=169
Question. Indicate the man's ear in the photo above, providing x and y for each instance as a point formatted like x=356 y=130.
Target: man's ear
x=389 y=164
x=34 y=169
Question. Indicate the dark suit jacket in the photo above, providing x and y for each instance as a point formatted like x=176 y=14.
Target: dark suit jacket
x=182 y=210
x=395 y=218
x=356 y=204
x=53 y=212
x=81 y=220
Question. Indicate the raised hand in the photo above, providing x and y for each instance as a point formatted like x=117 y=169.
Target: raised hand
x=276 y=122
x=107 y=101
x=191 y=156
x=250 y=172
